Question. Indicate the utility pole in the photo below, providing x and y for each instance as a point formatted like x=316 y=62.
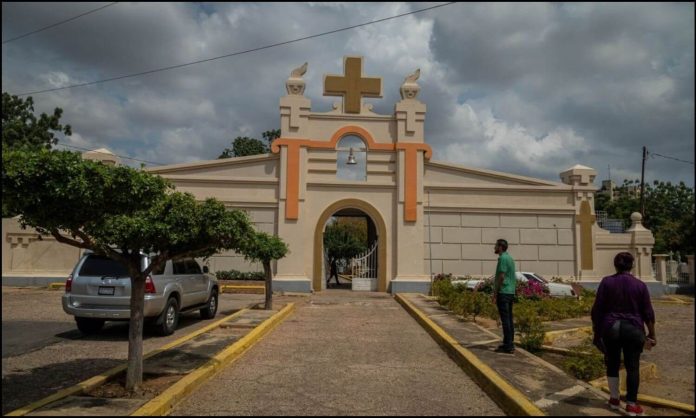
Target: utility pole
x=642 y=183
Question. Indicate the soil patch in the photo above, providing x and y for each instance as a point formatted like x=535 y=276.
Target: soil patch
x=152 y=386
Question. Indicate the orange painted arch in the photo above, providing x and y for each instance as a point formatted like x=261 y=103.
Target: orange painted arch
x=293 y=171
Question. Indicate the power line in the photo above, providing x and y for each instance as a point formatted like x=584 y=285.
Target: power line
x=56 y=24
x=106 y=153
x=671 y=158
x=234 y=53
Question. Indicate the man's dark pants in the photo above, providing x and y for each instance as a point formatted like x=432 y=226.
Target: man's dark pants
x=504 y=303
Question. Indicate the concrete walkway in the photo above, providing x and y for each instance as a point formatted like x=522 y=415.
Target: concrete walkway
x=342 y=353
x=549 y=388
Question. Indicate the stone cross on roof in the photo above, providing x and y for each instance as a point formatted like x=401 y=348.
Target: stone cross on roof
x=352 y=86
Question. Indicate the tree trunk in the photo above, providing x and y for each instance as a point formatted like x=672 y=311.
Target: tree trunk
x=134 y=377
x=269 y=284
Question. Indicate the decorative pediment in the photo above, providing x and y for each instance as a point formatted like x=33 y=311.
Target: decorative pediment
x=262 y=167
x=454 y=175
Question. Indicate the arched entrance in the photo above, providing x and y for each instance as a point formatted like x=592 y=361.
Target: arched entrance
x=381 y=231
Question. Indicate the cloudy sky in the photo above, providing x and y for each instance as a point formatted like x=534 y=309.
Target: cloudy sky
x=529 y=89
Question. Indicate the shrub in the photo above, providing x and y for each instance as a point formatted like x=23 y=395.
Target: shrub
x=585 y=362
x=239 y=275
x=529 y=326
x=443 y=289
x=486 y=286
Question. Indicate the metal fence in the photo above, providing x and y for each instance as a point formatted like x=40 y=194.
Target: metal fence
x=677 y=273
x=615 y=226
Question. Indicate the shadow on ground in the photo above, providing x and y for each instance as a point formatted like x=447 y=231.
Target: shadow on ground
x=118 y=330
x=20 y=389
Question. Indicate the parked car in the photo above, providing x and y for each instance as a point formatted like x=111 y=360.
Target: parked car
x=99 y=290
x=555 y=289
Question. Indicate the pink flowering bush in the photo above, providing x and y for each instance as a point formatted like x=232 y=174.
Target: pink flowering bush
x=531 y=290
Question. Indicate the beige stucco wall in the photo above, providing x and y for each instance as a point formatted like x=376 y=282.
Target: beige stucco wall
x=462 y=242
x=24 y=254
x=245 y=183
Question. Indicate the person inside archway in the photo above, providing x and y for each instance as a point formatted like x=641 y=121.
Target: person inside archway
x=333 y=272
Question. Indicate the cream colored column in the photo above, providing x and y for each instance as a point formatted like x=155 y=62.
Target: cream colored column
x=409 y=113
x=297 y=233
x=642 y=242
x=581 y=179
x=690 y=263
x=661 y=267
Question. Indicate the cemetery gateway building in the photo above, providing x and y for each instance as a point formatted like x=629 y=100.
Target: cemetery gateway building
x=423 y=216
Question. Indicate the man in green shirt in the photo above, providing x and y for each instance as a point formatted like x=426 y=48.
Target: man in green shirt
x=504 y=284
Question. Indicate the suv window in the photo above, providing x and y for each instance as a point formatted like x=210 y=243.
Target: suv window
x=159 y=270
x=192 y=267
x=98 y=265
x=180 y=267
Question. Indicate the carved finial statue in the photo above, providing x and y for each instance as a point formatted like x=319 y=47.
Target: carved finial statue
x=295 y=84
x=299 y=72
x=413 y=77
x=409 y=89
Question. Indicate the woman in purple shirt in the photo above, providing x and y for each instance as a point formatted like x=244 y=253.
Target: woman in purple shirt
x=620 y=313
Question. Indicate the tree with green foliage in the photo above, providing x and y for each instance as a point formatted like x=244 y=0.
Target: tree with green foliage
x=20 y=127
x=669 y=212
x=342 y=243
x=244 y=146
x=118 y=212
x=266 y=248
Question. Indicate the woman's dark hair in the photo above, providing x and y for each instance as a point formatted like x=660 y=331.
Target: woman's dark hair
x=623 y=262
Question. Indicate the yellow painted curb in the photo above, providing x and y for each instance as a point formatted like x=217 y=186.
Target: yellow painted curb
x=56 y=286
x=98 y=380
x=562 y=351
x=511 y=400
x=229 y=288
x=672 y=299
x=647 y=371
x=655 y=401
x=550 y=336
x=162 y=404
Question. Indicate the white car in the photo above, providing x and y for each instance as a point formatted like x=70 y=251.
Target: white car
x=555 y=289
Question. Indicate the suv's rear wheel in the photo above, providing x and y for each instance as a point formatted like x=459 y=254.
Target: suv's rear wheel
x=169 y=318
x=211 y=308
x=89 y=325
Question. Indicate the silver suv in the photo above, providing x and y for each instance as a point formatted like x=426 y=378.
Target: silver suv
x=99 y=289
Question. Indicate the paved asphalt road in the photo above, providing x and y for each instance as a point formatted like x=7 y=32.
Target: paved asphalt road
x=20 y=337
x=43 y=352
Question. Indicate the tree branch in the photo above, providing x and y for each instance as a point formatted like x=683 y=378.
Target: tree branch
x=188 y=254
x=65 y=240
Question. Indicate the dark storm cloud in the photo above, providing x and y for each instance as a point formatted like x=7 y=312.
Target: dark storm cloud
x=528 y=89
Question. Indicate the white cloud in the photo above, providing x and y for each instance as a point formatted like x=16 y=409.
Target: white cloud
x=528 y=88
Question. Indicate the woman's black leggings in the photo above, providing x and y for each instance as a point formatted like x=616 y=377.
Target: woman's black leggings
x=629 y=339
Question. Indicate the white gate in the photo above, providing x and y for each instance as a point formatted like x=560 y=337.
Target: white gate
x=364 y=270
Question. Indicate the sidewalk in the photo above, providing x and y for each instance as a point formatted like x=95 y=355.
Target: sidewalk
x=547 y=387
x=342 y=353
